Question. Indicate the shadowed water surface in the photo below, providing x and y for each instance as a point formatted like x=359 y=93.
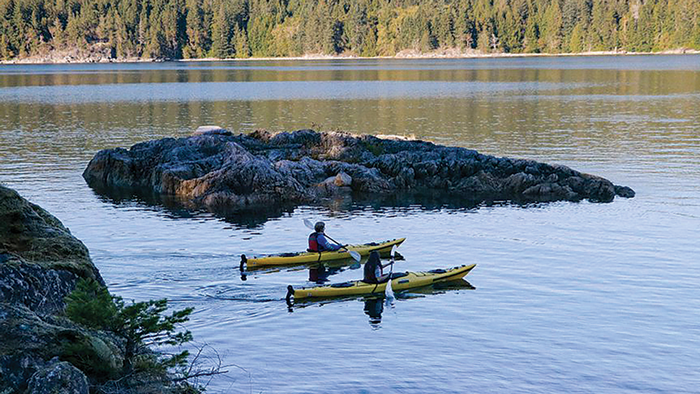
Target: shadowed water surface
x=566 y=297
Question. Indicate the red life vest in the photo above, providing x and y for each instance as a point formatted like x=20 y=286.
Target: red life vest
x=313 y=242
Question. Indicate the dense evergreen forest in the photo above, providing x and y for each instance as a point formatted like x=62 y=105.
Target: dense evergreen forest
x=175 y=29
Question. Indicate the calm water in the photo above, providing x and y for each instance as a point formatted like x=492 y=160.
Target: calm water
x=568 y=297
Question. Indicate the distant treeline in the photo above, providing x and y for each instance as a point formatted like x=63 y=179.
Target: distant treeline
x=177 y=29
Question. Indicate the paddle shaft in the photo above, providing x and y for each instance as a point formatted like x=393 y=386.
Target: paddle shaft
x=336 y=242
x=356 y=255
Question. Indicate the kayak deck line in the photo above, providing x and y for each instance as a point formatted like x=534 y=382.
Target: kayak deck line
x=384 y=248
x=399 y=282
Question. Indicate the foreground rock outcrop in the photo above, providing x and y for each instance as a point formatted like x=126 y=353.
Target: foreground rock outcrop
x=40 y=263
x=41 y=350
x=223 y=171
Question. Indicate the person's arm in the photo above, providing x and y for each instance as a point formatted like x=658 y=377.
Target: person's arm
x=323 y=242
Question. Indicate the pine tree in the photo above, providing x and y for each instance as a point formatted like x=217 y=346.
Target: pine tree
x=221 y=29
x=551 y=25
x=357 y=27
x=444 y=28
x=156 y=44
x=260 y=35
x=139 y=324
x=576 y=39
x=532 y=36
x=242 y=48
x=143 y=29
x=512 y=32
x=484 y=40
x=197 y=39
x=464 y=27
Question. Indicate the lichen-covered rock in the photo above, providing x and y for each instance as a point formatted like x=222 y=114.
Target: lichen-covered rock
x=27 y=342
x=58 y=378
x=261 y=169
x=40 y=289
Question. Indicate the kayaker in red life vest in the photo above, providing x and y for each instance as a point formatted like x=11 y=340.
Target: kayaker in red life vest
x=374 y=270
x=318 y=241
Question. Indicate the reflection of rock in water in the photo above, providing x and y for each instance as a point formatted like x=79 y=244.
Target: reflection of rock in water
x=374 y=308
x=236 y=174
x=178 y=208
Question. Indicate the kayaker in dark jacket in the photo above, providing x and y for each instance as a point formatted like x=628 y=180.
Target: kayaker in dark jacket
x=374 y=270
x=318 y=241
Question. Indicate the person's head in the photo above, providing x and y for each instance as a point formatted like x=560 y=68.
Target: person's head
x=320 y=227
x=373 y=257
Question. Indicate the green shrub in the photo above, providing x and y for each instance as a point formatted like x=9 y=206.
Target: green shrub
x=143 y=325
x=140 y=324
x=91 y=305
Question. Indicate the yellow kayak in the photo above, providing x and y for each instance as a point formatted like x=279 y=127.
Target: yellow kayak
x=384 y=248
x=400 y=281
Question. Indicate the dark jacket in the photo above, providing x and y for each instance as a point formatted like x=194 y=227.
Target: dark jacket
x=371 y=268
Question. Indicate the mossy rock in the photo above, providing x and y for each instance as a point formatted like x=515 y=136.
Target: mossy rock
x=30 y=232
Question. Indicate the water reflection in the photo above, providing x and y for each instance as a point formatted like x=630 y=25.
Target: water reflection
x=374 y=308
x=318 y=272
x=177 y=208
x=373 y=305
x=575 y=68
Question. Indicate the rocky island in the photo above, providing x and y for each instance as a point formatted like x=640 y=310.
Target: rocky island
x=223 y=172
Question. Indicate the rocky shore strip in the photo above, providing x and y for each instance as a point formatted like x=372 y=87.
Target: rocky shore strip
x=40 y=264
x=103 y=53
x=221 y=171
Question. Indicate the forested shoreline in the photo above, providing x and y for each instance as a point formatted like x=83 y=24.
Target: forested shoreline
x=224 y=29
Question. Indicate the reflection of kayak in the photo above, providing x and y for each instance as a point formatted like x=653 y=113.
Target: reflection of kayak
x=384 y=248
x=400 y=281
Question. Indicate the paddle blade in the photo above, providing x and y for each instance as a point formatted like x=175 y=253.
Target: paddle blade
x=356 y=256
x=308 y=224
x=389 y=292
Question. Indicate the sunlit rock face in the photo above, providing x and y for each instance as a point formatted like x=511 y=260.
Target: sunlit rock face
x=264 y=169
